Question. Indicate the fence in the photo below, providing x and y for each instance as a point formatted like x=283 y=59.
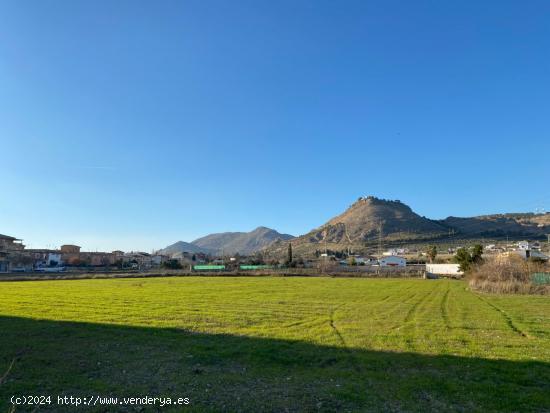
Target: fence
x=256 y=267
x=208 y=267
x=540 y=278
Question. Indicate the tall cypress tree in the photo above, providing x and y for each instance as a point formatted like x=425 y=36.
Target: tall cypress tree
x=289 y=258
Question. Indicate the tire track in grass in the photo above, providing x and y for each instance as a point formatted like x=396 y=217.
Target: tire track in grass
x=507 y=318
x=397 y=309
x=306 y=323
x=354 y=361
x=379 y=311
x=410 y=317
x=430 y=296
x=453 y=338
x=445 y=308
x=372 y=307
x=414 y=309
x=402 y=293
x=331 y=323
x=409 y=298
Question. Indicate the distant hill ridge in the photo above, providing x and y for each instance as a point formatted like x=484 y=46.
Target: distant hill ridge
x=367 y=220
x=241 y=242
x=369 y=216
x=370 y=219
x=181 y=246
x=245 y=243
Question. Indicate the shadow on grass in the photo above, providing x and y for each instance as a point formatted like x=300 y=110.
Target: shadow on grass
x=236 y=373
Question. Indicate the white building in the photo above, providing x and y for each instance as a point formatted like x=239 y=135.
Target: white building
x=138 y=260
x=395 y=251
x=444 y=269
x=158 y=259
x=526 y=245
x=535 y=254
x=393 y=261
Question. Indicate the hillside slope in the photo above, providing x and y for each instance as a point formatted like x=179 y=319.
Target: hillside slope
x=244 y=243
x=500 y=225
x=369 y=217
x=182 y=246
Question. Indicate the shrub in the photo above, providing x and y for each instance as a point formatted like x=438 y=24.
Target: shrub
x=508 y=275
x=172 y=265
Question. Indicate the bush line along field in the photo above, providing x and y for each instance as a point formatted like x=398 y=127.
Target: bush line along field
x=278 y=344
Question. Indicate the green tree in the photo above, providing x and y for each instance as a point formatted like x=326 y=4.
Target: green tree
x=477 y=251
x=466 y=258
x=289 y=255
x=172 y=265
x=352 y=261
x=463 y=258
x=432 y=252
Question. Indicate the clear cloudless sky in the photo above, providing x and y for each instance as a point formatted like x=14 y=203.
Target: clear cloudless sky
x=134 y=124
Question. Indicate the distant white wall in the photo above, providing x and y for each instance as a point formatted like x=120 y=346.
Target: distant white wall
x=443 y=269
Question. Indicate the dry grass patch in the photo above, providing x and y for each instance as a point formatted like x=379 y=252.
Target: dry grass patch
x=511 y=275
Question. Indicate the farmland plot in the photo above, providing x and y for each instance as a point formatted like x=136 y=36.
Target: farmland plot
x=278 y=344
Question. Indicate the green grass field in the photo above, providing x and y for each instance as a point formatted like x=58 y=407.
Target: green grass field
x=277 y=344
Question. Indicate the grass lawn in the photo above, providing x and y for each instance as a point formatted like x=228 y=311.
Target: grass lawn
x=277 y=344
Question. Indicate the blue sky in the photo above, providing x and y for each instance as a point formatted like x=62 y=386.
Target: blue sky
x=134 y=124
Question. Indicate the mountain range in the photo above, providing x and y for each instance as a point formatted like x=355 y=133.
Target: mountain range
x=370 y=221
x=367 y=222
x=182 y=246
x=244 y=243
